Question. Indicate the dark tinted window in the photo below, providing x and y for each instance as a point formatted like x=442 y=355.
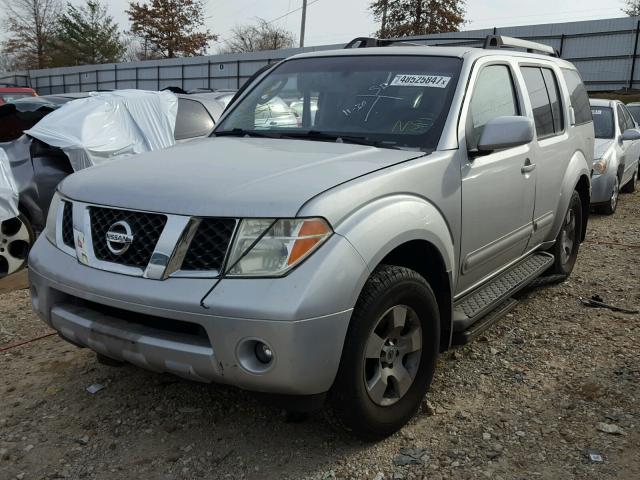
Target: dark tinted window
x=540 y=104
x=493 y=96
x=578 y=95
x=603 y=122
x=628 y=121
x=193 y=120
x=553 y=90
x=634 y=110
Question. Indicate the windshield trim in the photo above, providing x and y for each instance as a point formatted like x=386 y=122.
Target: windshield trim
x=257 y=82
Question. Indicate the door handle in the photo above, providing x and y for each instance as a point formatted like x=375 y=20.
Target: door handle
x=528 y=167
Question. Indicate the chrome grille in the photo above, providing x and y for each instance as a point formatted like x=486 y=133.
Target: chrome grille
x=67 y=224
x=145 y=227
x=209 y=246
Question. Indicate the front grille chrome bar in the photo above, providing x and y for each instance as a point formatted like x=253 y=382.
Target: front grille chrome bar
x=168 y=255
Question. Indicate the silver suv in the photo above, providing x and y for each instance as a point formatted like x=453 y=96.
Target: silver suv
x=335 y=257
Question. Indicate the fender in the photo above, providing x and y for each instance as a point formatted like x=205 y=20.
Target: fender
x=578 y=167
x=388 y=222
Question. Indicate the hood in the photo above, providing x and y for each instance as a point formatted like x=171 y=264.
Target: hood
x=228 y=176
x=601 y=146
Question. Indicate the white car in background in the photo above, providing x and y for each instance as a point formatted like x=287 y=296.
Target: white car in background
x=616 y=153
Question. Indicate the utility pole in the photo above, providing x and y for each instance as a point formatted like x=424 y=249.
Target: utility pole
x=383 y=27
x=302 y=24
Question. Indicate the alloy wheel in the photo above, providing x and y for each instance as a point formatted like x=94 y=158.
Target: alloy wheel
x=15 y=240
x=392 y=355
x=614 y=194
x=568 y=236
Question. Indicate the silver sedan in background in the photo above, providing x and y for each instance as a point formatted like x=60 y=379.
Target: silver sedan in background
x=616 y=153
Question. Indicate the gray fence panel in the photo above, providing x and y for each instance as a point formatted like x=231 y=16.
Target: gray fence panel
x=605 y=51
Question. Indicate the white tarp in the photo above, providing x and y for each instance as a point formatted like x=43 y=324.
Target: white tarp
x=110 y=125
x=8 y=190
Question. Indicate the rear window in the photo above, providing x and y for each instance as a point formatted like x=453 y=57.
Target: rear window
x=10 y=97
x=603 y=122
x=578 y=95
x=192 y=120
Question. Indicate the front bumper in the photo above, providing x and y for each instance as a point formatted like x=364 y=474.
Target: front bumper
x=602 y=188
x=302 y=317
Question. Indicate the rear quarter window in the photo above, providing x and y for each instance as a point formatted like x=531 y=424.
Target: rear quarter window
x=578 y=96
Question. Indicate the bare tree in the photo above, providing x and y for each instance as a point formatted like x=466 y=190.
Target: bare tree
x=631 y=7
x=31 y=25
x=261 y=36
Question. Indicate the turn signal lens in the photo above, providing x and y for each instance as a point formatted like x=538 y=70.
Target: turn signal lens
x=311 y=233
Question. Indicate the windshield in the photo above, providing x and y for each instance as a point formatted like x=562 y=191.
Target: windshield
x=603 y=122
x=634 y=110
x=390 y=101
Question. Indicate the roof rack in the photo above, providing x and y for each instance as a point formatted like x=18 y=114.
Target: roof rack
x=491 y=41
x=499 y=41
x=368 y=42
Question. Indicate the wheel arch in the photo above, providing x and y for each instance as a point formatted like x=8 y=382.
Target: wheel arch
x=424 y=258
x=408 y=231
x=583 y=187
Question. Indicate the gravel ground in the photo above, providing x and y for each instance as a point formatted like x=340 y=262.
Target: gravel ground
x=551 y=383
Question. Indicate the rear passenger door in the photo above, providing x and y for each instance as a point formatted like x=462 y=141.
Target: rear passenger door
x=498 y=188
x=550 y=148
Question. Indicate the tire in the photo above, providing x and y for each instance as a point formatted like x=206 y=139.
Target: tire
x=399 y=306
x=16 y=239
x=630 y=187
x=565 y=250
x=108 y=361
x=609 y=208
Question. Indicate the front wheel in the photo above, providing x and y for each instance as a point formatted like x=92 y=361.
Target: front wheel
x=389 y=355
x=630 y=187
x=609 y=208
x=567 y=243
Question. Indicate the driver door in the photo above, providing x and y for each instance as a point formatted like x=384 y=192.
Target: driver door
x=498 y=189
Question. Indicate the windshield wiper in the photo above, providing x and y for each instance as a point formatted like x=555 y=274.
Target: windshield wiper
x=241 y=132
x=318 y=135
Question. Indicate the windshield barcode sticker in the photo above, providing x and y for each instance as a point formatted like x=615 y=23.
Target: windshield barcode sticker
x=436 y=81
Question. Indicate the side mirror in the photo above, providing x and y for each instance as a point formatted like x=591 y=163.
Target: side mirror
x=631 y=135
x=501 y=133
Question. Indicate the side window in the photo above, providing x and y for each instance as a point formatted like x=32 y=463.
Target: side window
x=629 y=123
x=578 y=96
x=192 y=120
x=493 y=96
x=553 y=90
x=543 y=93
x=539 y=101
x=621 y=120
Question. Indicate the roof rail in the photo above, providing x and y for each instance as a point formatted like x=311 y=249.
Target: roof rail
x=499 y=41
x=367 y=42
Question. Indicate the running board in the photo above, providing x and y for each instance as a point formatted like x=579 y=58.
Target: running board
x=482 y=325
x=472 y=307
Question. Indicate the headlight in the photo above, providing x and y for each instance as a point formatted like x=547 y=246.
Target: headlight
x=52 y=219
x=287 y=243
x=600 y=166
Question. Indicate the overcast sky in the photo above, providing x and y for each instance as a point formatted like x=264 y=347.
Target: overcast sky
x=337 y=21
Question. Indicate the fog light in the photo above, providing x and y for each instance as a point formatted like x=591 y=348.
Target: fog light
x=263 y=353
